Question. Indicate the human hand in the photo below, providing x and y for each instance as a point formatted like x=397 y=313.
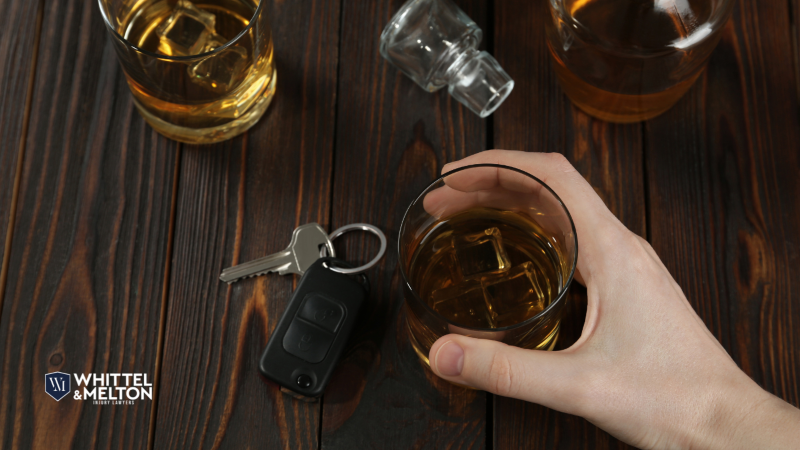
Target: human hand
x=646 y=369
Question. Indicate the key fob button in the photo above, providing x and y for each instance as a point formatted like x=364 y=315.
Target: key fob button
x=307 y=342
x=322 y=311
x=304 y=381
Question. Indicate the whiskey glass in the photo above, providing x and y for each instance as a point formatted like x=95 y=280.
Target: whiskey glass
x=200 y=72
x=631 y=60
x=487 y=251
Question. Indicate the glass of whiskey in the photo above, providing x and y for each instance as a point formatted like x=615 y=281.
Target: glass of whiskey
x=486 y=251
x=200 y=71
x=631 y=60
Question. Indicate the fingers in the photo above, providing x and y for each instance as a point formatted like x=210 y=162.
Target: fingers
x=552 y=168
x=490 y=177
x=446 y=201
x=546 y=378
x=598 y=229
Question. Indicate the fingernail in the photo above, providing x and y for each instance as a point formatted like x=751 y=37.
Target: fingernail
x=450 y=359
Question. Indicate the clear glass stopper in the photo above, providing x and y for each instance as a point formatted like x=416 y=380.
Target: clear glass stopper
x=435 y=44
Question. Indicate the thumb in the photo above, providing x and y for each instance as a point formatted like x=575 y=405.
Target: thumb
x=546 y=378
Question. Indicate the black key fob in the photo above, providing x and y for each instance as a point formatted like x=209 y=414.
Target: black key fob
x=311 y=336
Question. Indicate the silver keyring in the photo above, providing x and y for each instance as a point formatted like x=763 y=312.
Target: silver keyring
x=356 y=227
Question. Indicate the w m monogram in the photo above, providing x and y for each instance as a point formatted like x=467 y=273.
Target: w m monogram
x=57 y=384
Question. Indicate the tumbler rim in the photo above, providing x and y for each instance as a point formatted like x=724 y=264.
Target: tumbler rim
x=561 y=298
x=219 y=49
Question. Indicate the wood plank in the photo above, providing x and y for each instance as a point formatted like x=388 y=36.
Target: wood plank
x=240 y=200
x=723 y=181
x=538 y=117
x=18 y=46
x=86 y=275
x=392 y=140
x=794 y=23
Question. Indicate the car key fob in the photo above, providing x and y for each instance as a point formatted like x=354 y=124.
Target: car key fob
x=312 y=333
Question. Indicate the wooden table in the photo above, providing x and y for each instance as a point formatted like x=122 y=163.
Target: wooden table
x=113 y=237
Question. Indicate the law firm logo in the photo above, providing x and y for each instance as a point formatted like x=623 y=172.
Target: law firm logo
x=57 y=385
x=100 y=388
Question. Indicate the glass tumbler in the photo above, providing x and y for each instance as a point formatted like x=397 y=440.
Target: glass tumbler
x=199 y=72
x=486 y=251
x=631 y=60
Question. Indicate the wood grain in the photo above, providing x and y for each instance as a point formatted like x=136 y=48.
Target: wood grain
x=85 y=282
x=794 y=30
x=240 y=200
x=723 y=170
x=392 y=140
x=350 y=139
x=19 y=31
x=538 y=117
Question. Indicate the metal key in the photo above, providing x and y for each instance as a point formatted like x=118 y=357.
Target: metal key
x=302 y=252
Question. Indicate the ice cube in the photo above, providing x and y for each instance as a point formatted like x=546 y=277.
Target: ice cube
x=446 y=272
x=481 y=253
x=186 y=31
x=514 y=296
x=222 y=71
x=464 y=304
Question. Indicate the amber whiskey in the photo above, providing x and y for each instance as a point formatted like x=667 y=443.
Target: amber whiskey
x=630 y=60
x=215 y=95
x=486 y=268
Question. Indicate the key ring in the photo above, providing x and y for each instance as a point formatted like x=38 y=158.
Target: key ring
x=356 y=227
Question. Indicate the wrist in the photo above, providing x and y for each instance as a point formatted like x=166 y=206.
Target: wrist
x=746 y=417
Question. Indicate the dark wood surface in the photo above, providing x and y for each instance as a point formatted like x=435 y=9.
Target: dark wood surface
x=212 y=395
x=91 y=240
x=19 y=39
x=117 y=235
x=724 y=196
